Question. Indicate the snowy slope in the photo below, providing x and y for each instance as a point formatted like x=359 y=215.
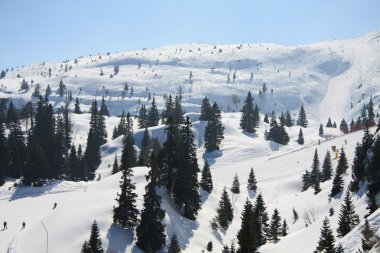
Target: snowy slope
x=325 y=77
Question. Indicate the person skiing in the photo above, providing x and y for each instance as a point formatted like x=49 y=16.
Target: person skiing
x=5 y=225
x=23 y=225
x=55 y=205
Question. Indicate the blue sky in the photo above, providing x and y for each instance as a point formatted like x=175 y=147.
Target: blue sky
x=33 y=31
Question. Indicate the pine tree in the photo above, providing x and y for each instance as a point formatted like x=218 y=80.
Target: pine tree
x=249 y=120
x=86 y=248
x=326 y=168
x=95 y=243
x=260 y=220
x=306 y=180
x=4 y=158
x=225 y=212
x=115 y=166
x=174 y=245
x=274 y=230
x=48 y=91
x=17 y=151
x=252 y=183
x=246 y=235
x=169 y=155
x=329 y=124
x=315 y=174
x=104 y=109
x=169 y=110
x=343 y=126
x=277 y=133
x=61 y=89
x=302 y=121
x=367 y=237
x=235 y=185
x=337 y=185
x=142 y=118
x=339 y=249
x=342 y=163
x=321 y=133
x=129 y=156
x=185 y=185
x=11 y=116
x=36 y=165
x=153 y=117
x=326 y=240
x=178 y=112
x=300 y=139
x=371 y=114
x=288 y=119
x=373 y=175
x=144 y=155
x=358 y=167
x=151 y=232
x=284 y=228
x=125 y=214
x=206 y=111
x=209 y=246
x=214 y=130
x=206 y=180
x=348 y=219
x=73 y=164
x=266 y=119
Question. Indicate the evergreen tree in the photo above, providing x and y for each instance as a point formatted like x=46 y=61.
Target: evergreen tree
x=169 y=155
x=358 y=167
x=48 y=91
x=92 y=152
x=321 y=132
x=77 y=107
x=367 y=237
x=348 y=219
x=178 y=112
x=342 y=163
x=185 y=187
x=209 y=246
x=326 y=168
x=115 y=166
x=235 y=185
x=371 y=114
x=246 y=235
x=343 y=126
x=225 y=212
x=142 y=118
x=11 y=115
x=4 y=158
x=214 y=130
x=249 y=120
x=288 y=119
x=104 y=109
x=206 y=180
x=337 y=185
x=260 y=220
x=73 y=172
x=61 y=89
x=85 y=248
x=95 y=243
x=326 y=240
x=36 y=166
x=169 y=110
x=252 y=183
x=302 y=121
x=373 y=175
x=329 y=124
x=295 y=215
x=278 y=133
x=153 y=117
x=25 y=85
x=151 y=232
x=144 y=155
x=125 y=214
x=206 y=111
x=174 y=245
x=306 y=180
x=300 y=139
x=274 y=230
x=17 y=151
x=284 y=228
x=315 y=174
x=339 y=249
x=266 y=120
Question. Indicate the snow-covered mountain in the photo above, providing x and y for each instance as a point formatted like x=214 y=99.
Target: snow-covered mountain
x=331 y=79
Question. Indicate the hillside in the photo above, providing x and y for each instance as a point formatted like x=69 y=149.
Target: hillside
x=326 y=78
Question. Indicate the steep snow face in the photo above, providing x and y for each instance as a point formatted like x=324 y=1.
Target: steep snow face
x=326 y=77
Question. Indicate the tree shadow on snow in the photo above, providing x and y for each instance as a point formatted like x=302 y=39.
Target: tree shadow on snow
x=23 y=191
x=118 y=239
x=251 y=194
x=251 y=135
x=211 y=156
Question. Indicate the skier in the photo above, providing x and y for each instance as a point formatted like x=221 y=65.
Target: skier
x=5 y=225
x=23 y=225
x=55 y=205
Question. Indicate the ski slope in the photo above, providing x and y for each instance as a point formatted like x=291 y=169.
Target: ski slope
x=326 y=77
